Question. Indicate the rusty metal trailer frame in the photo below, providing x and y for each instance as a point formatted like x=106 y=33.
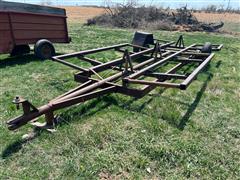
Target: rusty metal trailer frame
x=129 y=69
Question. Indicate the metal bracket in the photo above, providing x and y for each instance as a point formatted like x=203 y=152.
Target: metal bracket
x=26 y=105
x=180 y=42
x=128 y=61
x=157 y=50
x=43 y=126
x=50 y=122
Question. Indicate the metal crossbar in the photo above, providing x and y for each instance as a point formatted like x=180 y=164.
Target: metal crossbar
x=147 y=71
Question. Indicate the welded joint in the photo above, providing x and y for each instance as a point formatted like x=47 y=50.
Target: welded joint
x=180 y=42
x=124 y=82
x=157 y=50
x=128 y=61
x=183 y=86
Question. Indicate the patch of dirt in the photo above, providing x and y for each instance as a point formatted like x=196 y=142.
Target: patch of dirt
x=106 y=176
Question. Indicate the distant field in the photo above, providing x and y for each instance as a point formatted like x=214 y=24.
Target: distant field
x=81 y=14
x=232 y=21
x=215 y=17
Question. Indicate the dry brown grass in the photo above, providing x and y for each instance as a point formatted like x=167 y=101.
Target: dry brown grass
x=216 y=17
x=231 y=21
x=81 y=14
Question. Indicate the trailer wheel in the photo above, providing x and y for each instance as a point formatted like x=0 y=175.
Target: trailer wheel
x=20 y=50
x=44 y=49
x=207 y=48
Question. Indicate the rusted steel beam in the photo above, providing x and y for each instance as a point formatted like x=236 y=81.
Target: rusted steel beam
x=166 y=76
x=69 y=64
x=182 y=85
x=188 y=53
x=132 y=56
x=162 y=40
x=215 y=47
x=119 y=61
x=62 y=103
x=120 y=89
x=219 y=47
x=194 y=74
x=136 y=46
x=83 y=76
x=91 y=51
x=109 y=79
x=122 y=51
x=162 y=84
x=183 y=59
x=92 y=61
x=74 y=90
x=148 y=88
x=106 y=65
x=142 y=71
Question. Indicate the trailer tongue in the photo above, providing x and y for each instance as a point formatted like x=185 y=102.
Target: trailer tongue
x=151 y=63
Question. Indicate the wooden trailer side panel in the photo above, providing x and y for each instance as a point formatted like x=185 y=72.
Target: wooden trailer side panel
x=6 y=41
x=29 y=28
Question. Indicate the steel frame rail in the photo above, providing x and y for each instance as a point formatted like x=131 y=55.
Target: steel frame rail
x=129 y=68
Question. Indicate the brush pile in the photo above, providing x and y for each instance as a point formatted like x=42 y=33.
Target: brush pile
x=133 y=16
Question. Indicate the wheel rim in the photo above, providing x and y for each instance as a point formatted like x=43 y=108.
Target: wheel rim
x=46 y=51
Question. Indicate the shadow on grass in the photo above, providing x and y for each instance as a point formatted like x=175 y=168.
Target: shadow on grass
x=194 y=104
x=19 y=60
x=219 y=63
x=185 y=118
x=12 y=148
x=17 y=145
x=89 y=109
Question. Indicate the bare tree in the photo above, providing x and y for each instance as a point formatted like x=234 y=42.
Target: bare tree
x=228 y=6
x=108 y=4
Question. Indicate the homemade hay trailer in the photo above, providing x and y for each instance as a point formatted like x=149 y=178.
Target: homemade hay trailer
x=23 y=24
x=145 y=64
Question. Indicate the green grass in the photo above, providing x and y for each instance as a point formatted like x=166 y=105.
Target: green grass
x=168 y=134
x=232 y=27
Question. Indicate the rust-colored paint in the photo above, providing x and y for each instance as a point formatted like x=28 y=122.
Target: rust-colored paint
x=18 y=28
x=94 y=85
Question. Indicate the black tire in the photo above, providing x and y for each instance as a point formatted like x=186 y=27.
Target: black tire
x=44 y=49
x=207 y=48
x=20 y=50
